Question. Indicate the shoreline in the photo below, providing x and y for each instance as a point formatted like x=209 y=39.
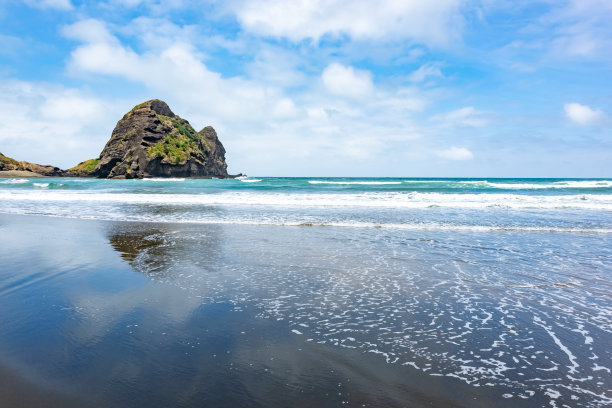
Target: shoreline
x=478 y=229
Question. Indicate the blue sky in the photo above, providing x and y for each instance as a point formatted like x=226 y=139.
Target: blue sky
x=321 y=88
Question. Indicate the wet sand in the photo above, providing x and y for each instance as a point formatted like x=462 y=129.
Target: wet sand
x=17 y=391
x=82 y=315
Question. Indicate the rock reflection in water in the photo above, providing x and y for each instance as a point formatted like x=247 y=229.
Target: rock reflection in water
x=232 y=315
x=207 y=347
x=163 y=250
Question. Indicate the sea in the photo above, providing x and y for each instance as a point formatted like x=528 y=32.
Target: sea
x=275 y=291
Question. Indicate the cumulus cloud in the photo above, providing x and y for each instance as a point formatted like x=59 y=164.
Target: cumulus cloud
x=65 y=125
x=582 y=114
x=175 y=71
x=263 y=125
x=89 y=30
x=347 y=81
x=455 y=153
x=436 y=23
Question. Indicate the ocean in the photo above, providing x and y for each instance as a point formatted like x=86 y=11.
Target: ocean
x=264 y=291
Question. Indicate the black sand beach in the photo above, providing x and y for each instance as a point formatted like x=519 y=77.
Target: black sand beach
x=89 y=321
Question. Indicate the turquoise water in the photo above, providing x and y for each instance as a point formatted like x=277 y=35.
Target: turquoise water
x=335 y=184
x=488 y=292
x=582 y=205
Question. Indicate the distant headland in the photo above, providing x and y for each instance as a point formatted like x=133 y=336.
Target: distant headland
x=149 y=141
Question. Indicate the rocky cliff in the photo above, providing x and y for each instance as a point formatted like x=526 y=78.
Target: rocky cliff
x=8 y=164
x=151 y=141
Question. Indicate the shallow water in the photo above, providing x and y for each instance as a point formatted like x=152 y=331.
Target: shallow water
x=241 y=315
x=288 y=292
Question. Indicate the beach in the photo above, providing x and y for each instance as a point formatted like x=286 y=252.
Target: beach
x=175 y=293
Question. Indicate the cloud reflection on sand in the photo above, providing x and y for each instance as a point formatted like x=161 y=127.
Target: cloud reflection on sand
x=512 y=317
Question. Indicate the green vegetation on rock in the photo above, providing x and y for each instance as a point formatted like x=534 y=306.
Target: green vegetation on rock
x=185 y=129
x=167 y=120
x=87 y=166
x=175 y=148
x=179 y=145
x=135 y=108
x=5 y=161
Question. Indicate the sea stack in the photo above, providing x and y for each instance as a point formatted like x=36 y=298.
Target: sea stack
x=151 y=141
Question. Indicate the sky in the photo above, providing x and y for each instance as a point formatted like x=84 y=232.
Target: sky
x=445 y=88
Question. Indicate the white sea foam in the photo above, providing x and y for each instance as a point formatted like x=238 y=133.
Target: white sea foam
x=163 y=179
x=554 y=394
x=14 y=181
x=292 y=223
x=556 y=185
x=574 y=365
x=249 y=180
x=364 y=183
x=410 y=200
x=41 y=185
x=428 y=181
x=521 y=185
x=487 y=331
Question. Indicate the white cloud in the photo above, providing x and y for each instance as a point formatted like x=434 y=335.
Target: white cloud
x=285 y=108
x=50 y=124
x=276 y=65
x=579 y=45
x=430 y=69
x=175 y=72
x=436 y=23
x=159 y=33
x=263 y=125
x=129 y=3
x=89 y=30
x=582 y=114
x=363 y=148
x=158 y=6
x=467 y=116
x=580 y=28
x=317 y=113
x=567 y=30
x=69 y=105
x=50 y=4
x=455 y=153
x=347 y=81
x=11 y=45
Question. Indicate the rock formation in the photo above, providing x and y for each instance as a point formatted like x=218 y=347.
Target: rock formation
x=151 y=141
x=8 y=164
